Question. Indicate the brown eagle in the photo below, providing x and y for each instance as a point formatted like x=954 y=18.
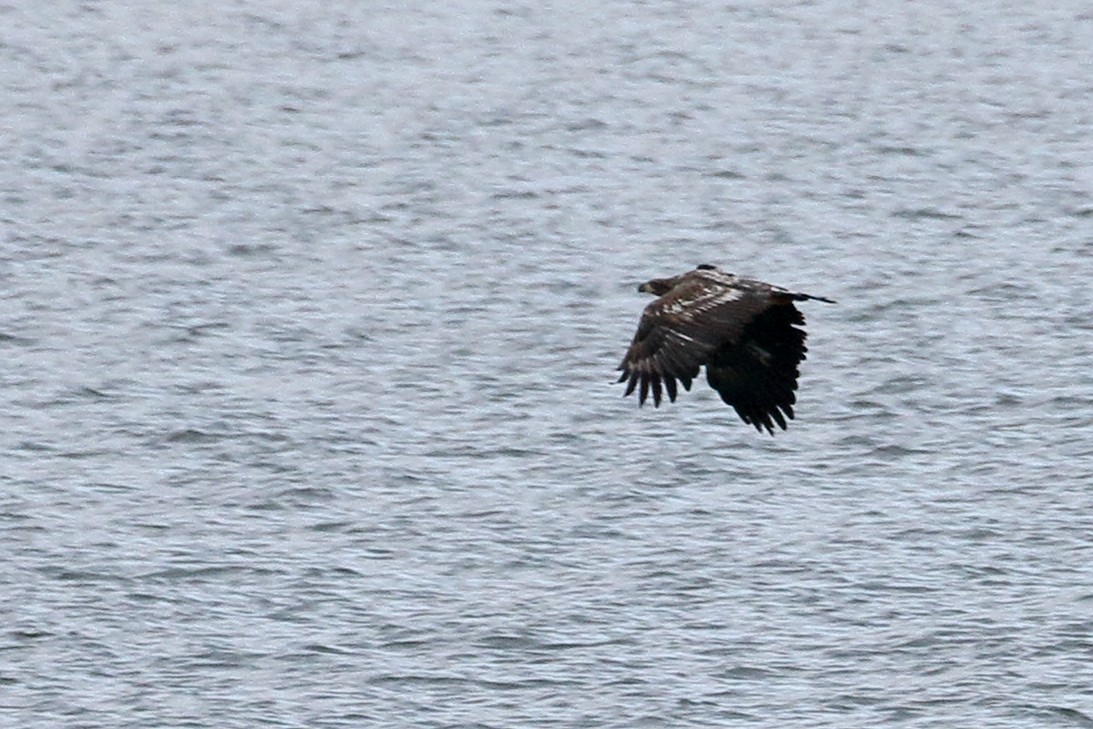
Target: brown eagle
x=741 y=330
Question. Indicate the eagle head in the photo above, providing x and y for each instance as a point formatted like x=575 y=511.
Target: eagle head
x=658 y=286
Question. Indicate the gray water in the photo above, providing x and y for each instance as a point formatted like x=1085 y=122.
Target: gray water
x=309 y=325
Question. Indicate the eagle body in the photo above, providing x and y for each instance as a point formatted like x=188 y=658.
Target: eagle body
x=747 y=334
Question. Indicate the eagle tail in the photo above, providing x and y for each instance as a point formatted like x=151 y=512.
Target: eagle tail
x=797 y=296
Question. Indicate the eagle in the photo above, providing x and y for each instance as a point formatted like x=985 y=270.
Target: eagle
x=746 y=333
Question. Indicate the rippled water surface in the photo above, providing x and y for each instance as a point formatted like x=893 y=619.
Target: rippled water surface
x=309 y=319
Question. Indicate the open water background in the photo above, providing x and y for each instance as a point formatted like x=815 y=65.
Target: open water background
x=309 y=313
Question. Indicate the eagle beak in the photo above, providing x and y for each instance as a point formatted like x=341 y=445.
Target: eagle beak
x=644 y=288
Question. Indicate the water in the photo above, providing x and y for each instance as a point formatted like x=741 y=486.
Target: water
x=310 y=316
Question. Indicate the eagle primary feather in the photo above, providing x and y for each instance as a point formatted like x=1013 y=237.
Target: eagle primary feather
x=745 y=333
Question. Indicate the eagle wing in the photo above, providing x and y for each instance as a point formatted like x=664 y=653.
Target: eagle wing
x=684 y=329
x=757 y=375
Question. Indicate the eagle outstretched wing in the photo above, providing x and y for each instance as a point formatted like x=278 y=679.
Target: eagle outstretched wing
x=744 y=332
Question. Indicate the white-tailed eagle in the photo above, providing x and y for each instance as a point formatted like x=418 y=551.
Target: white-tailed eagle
x=742 y=331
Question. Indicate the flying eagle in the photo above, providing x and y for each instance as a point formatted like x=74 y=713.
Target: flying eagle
x=741 y=330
